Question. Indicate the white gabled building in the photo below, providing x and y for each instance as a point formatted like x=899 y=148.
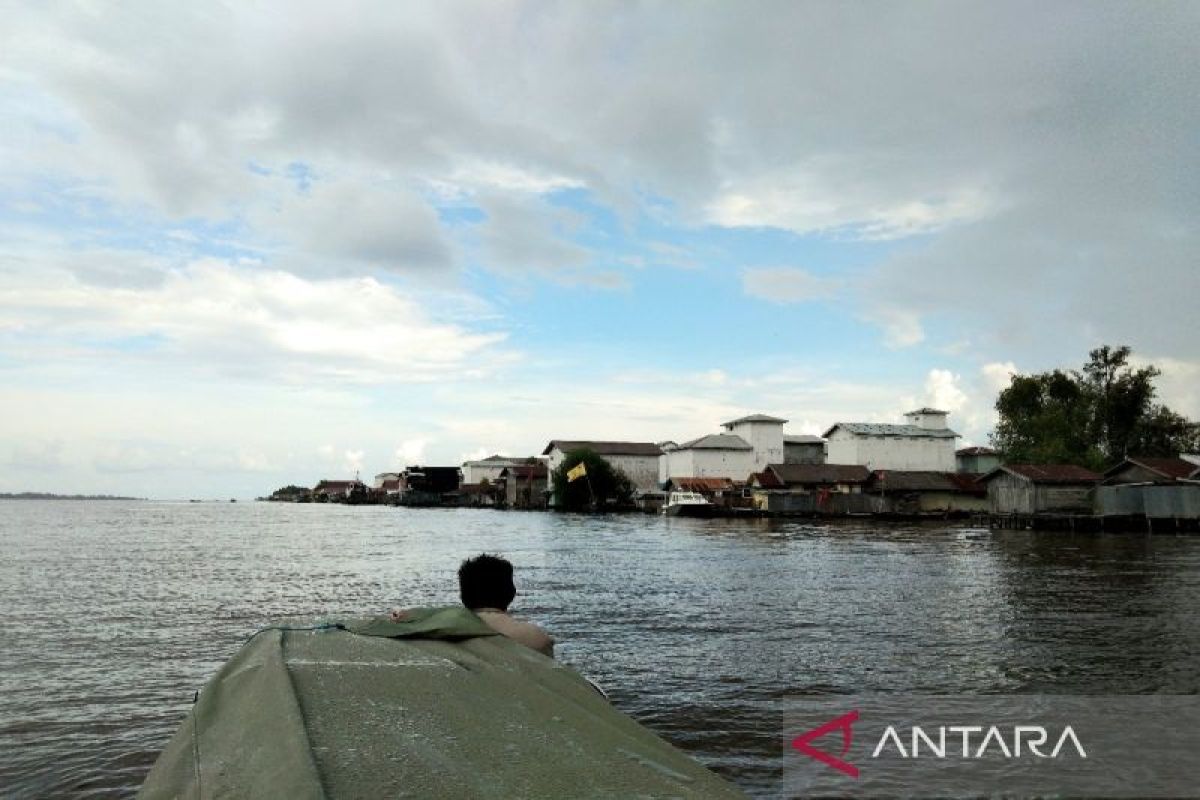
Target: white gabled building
x=765 y=435
x=748 y=445
x=925 y=443
x=721 y=455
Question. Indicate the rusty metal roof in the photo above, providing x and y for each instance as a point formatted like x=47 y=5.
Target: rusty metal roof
x=811 y=474
x=896 y=480
x=767 y=480
x=1046 y=473
x=802 y=439
x=1172 y=468
x=702 y=484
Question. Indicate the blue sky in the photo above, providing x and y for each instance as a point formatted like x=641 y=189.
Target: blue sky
x=243 y=248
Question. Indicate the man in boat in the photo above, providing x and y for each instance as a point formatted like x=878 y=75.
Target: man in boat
x=485 y=584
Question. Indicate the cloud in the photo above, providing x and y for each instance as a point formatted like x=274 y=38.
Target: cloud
x=259 y=323
x=786 y=285
x=378 y=225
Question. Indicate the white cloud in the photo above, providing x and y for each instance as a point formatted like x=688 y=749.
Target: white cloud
x=411 y=451
x=943 y=390
x=786 y=285
x=901 y=328
x=211 y=315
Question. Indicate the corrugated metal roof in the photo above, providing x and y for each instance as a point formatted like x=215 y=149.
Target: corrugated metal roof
x=717 y=441
x=1172 y=468
x=767 y=480
x=886 y=429
x=976 y=451
x=606 y=448
x=806 y=474
x=803 y=439
x=753 y=418
x=927 y=410
x=895 y=480
x=1046 y=473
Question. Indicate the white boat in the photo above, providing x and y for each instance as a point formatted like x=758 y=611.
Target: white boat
x=688 y=504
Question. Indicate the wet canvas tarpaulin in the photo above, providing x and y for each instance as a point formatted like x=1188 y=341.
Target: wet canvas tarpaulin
x=330 y=713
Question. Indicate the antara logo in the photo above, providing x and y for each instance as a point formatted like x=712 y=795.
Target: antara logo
x=949 y=741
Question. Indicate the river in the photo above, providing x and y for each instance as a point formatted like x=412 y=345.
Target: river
x=115 y=613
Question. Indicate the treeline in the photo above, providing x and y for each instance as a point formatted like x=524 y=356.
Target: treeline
x=1093 y=417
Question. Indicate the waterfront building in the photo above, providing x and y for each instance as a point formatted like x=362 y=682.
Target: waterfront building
x=803 y=449
x=1040 y=489
x=719 y=455
x=337 y=489
x=1141 y=469
x=976 y=460
x=764 y=434
x=489 y=469
x=525 y=485
x=638 y=460
x=919 y=492
x=925 y=443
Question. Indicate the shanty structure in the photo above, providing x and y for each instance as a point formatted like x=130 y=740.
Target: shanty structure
x=928 y=493
x=525 y=485
x=834 y=489
x=1150 y=493
x=436 y=707
x=1030 y=489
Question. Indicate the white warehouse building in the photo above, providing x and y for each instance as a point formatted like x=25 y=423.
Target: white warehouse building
x=748 y=445
x=720 y=455
x=925 y=443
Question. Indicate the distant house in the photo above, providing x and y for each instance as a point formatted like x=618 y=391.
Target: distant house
x=1151 y=488
x=424 y=485
x=333 y=489
x=803 y=449
x=719 y=455
x=976 y=460
x=638 y=460
x=924 y=443
x=1139 y=469
x=478 y=495
x=384 y=478
x=1040 y=489
x=525 y=485
x=812 y=489
x=764 y=434
x=915 y=492
x=489 y=469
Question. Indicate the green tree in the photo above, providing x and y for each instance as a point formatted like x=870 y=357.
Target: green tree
x=1093 y=417
x=604 y=485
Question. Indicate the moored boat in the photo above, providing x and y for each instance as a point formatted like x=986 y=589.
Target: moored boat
x=688 y=504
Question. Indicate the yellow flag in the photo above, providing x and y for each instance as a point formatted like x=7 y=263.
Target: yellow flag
x=577 y=471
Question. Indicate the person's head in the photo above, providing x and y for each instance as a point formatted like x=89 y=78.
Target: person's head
x=486 y=582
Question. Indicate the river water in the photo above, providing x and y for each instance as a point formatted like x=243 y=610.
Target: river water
x=115 y=613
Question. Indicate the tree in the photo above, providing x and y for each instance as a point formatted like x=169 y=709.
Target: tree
x=604 y=484
x=1094 y=417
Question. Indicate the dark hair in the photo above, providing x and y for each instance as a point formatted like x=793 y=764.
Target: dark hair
x=486 y=582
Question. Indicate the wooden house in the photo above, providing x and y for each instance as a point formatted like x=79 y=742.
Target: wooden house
x=1040 y=489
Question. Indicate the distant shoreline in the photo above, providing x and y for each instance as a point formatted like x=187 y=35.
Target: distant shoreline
x=52 y=496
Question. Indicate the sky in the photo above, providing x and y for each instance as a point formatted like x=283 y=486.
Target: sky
x=244 y=245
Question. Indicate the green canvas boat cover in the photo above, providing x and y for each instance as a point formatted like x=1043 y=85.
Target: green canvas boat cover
x=446 y=710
